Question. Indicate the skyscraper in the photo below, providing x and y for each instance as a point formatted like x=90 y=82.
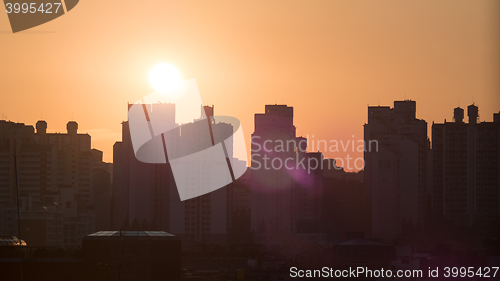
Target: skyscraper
x=145 y=195
x=272 y=188
x=285 y=195
x=141 y=191
x=396 y=167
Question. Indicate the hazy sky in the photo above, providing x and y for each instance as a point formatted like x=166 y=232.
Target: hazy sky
x=328 y=59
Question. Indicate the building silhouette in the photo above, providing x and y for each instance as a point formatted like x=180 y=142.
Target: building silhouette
x=286 y=198
x=272 y=188
x=101 y=182
x=395 y=176
x=132 y=255
x=145 y=196
x=239 y=211
x=466 y=169
x=59 y=187
x=141 y=191
x=308 y=196
x=345 y=209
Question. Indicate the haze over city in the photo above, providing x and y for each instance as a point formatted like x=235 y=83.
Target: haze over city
x=328 y=59
x=249 y=140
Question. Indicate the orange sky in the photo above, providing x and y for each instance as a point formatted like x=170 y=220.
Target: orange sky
x=328 y=59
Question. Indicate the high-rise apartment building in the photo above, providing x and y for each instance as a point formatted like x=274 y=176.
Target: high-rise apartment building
x=141 y=191
x=145 y=195
x=395 y=176
x=272 y=188
x=54 y=173
x=466 y=169
x=286 y=190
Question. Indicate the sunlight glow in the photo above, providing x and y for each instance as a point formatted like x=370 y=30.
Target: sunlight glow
x=164 y=78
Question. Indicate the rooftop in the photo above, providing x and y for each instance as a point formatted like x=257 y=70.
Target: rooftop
x=143 y=235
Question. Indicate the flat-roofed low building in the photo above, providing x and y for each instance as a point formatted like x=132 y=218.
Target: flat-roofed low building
x=132 y=255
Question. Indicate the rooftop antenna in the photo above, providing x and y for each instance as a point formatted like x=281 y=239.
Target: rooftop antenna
x=18 y=209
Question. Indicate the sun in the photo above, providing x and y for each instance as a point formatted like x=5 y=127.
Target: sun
x=164 y=77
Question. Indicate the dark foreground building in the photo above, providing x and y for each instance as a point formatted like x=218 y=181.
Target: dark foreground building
x=466 y=182
x=132 y=255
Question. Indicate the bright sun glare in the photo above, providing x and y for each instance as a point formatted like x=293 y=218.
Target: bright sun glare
x=164 y=77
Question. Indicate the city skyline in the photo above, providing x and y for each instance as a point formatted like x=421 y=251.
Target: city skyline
x=352 y=148
x=409 y=195
x=250 y=140
x=442 y=55
x=397 y=132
